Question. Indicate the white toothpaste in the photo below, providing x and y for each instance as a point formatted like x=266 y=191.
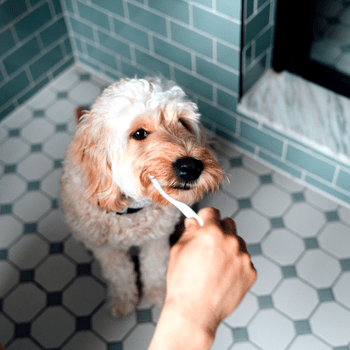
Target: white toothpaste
x=184 y=208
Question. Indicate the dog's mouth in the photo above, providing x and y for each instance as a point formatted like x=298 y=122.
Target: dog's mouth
x=184 y=187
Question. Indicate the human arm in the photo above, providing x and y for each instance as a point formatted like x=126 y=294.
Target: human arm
x=209 y=273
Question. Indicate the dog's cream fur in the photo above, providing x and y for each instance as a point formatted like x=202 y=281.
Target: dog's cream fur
x=106 y=170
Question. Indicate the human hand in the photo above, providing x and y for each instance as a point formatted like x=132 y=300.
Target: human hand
x=209 y=271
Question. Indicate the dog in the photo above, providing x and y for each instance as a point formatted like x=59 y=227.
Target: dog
x=136 y=129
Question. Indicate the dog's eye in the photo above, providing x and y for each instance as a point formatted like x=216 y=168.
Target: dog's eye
x=140 y=134
x=185 y=125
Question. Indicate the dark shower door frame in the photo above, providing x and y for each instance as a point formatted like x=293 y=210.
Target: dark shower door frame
x=292 y=45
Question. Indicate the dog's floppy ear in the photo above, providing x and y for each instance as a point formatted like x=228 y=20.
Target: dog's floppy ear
x=89 y=151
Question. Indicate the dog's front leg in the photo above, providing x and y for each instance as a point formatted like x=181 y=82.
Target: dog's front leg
x=154 y=258
x=118 y=269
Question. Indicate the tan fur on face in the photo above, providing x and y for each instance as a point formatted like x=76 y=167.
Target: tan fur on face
x=170 y=139
x=88 y=151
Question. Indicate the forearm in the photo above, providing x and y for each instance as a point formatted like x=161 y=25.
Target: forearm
x=175 y=332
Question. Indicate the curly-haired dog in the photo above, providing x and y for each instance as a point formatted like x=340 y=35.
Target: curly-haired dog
x=136 y=128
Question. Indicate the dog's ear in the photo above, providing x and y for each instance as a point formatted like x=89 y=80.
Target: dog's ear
x=89 y=151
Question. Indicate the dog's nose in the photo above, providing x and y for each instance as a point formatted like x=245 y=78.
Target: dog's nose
x=188 y=169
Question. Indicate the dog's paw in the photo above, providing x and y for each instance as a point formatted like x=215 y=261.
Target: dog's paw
x=156 y=295
x=123 y=307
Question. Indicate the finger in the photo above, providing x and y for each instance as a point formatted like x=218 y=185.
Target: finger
x=242 y=245
x=229 y=226
x=191 y=222
x=209 y=216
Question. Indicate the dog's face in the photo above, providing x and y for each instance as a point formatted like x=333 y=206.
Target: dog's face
x=139 y=128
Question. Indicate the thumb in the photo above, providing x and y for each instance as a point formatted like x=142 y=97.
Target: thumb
x=191 y=222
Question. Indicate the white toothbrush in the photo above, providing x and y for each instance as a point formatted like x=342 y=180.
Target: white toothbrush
x=184 y=208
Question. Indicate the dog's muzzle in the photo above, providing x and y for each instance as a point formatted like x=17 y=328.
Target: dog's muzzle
x=187 y=169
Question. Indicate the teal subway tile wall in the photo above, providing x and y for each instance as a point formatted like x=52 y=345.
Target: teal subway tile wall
x=34 y=48
x=216 y=50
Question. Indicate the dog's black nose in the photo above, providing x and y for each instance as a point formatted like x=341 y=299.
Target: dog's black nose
x=188 y=169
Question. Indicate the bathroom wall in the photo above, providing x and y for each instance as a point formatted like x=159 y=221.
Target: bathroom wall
x=197 y=43
x=34 y=48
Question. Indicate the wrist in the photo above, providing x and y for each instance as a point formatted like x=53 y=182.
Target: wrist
x=178 y=330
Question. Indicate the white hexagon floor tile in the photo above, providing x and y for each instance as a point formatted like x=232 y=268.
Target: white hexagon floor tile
x=304 y=219
x=331 y=323
x=295 y=299
x=53 y=327
x=271 y=201
x=38 y=130
x=283 y=246
x=271 y=331
x=242 y=183
x=318 y=268
x=78 y=300
x=24 y=303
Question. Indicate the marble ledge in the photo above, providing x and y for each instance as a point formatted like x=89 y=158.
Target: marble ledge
x=302 y=110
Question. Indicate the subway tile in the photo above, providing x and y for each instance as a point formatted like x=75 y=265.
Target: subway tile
x=8 y=12
x=227 y=100
x=172 y=53
x=68 y=46
x=280 y=164
x=147 y=19
x=263 y=42
x=192 y=40
x=261 y=2
x=33 y=90
x=82 y=29
x=253 y=74
x=194 y=84
x=310 y=163
x=114 y=45
x=54 y=32
x=132 y=71
x=228 y=56
x=334 y=192
x=111 y=6
x=236 y=141
x=13 y=87
x=69 y=5
x=249 y=8
x=6 y=41
x=90 y=64
x=344 y=180
x=34 y=2
x=207 y=3
x=33 y=21
x=261 y=139
x=46 y=62
x=78 y=45
x=248 y=55
x=230 y=8
x=227 y=121
x=63 y=67
x=256 y=24
x=102 y=56
x=217 y=74
x=152 y=63
x=175 y=9
x=217 y=26
x=92 y=15
x=57 y=6
x=131 y=33
x=21 y=56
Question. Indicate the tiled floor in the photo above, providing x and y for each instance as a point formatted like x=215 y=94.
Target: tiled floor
x=52 y=295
